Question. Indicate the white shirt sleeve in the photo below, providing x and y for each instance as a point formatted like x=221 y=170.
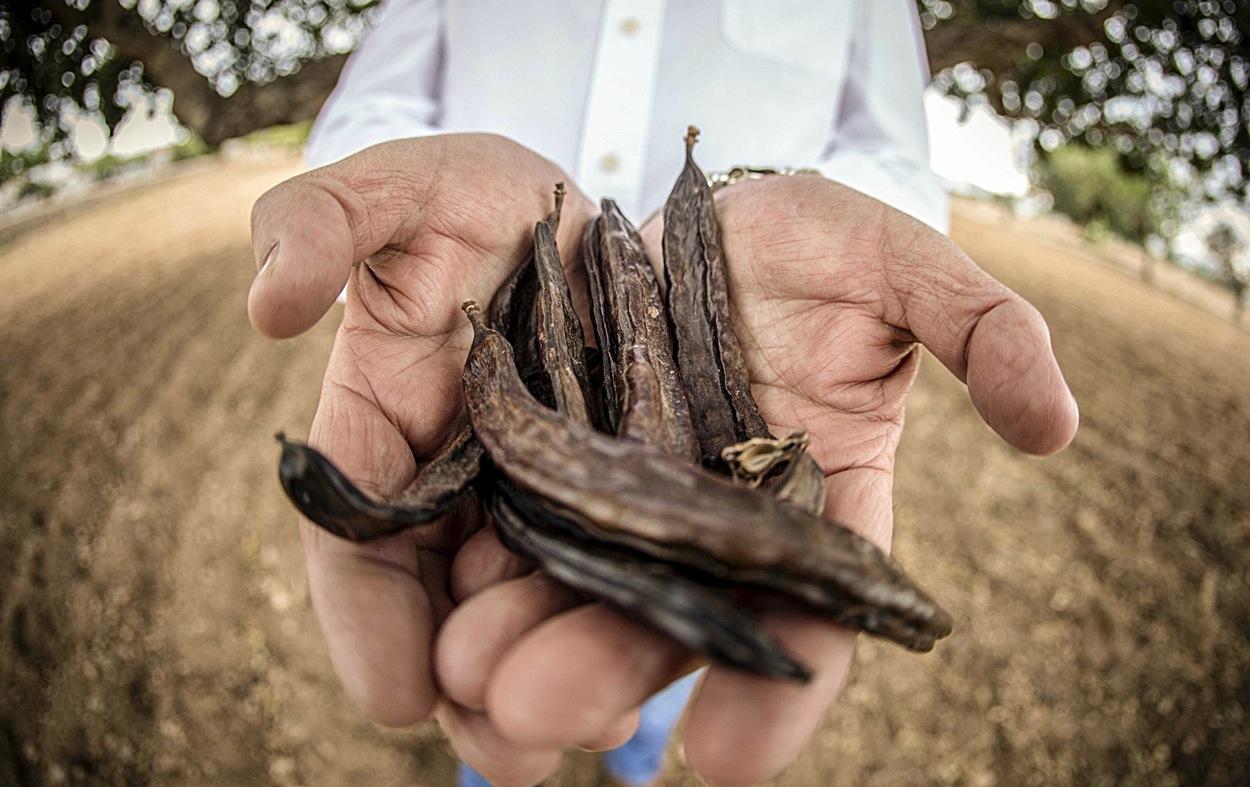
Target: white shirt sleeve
x=389 y=87
x=879 y=143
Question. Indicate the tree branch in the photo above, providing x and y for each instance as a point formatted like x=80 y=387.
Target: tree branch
x=998 y=43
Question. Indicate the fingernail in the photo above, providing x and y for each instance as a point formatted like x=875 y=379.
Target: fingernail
x=273 y=252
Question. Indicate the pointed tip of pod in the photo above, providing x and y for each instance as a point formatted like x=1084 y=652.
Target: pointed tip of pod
x=327 y=498
x=797 y=672
x=294 y=460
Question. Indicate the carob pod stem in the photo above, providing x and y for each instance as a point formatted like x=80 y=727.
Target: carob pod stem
x=693 y=615
x=627 y=487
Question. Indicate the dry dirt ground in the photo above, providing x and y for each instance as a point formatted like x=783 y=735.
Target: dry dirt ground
x=154 y=623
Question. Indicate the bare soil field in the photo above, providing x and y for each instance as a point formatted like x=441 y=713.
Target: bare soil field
x=154 y=621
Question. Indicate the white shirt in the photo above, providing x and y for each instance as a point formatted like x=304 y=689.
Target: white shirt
x=606 y=88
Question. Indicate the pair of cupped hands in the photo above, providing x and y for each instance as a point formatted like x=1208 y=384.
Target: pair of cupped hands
x=832 y=292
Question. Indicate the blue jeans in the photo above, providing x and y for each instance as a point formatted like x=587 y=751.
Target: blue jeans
x=639 y=760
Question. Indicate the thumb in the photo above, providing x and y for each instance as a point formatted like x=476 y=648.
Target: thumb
x=985 y=334
x=308 y=231
x=302 y=239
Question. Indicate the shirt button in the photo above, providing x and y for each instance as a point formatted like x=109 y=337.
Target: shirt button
x=629 y=26
x=609 y=162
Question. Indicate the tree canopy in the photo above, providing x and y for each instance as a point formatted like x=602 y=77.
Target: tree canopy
x=232 y=66
x=1161 y=82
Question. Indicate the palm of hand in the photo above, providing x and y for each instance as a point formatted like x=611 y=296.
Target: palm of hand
x=810 y=313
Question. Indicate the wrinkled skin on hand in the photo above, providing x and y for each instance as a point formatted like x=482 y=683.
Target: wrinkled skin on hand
x=831 y=291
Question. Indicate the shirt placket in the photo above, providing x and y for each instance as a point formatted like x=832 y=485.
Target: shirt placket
x=618 y=109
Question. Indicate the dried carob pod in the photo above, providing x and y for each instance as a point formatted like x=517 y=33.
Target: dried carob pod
x=626 y=488
x=696 y=616
x=513 y=312
x=802 y=483
x=651 y=400
x=323 y=494
x=602 y=319
x=707 y=349
x=697 y=293
x=561 y=343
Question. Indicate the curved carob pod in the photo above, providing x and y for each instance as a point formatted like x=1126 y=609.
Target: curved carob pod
x=650 y=397
x=627 y=488
x=323 y=494
x=698 y=617
x=513 y=312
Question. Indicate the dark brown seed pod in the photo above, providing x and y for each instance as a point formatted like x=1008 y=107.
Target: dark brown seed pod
x=623 y=487
x=697 y=293
x=652 y=400
x=513 y=312
x=698 y=617
x=323 y=494
x=561 y=342
x=602 y=317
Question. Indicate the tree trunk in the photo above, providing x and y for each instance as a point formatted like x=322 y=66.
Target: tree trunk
x=1147 y=267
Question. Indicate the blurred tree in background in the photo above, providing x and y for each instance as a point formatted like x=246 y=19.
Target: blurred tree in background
x=1162 y=83
x=232 y=66
x=1090 y=186
x=1230 y=250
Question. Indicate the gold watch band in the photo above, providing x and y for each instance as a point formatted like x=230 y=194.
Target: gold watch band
x=719 y=180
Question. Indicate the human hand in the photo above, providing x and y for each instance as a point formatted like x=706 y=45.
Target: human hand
x=413 y=228
x=831 y=292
